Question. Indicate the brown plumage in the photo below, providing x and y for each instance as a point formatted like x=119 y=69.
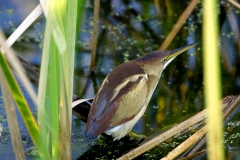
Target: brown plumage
x=125 y=93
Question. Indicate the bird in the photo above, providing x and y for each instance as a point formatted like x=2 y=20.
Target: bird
x=125 y=93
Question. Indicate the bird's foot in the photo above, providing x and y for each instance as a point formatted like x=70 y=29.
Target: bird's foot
x=136 y=136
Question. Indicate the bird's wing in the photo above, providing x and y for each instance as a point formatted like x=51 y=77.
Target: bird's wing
x=126 y=84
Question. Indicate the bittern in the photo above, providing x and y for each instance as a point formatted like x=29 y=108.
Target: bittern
x=125 y=93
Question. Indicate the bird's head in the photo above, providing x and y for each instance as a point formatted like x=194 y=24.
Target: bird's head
x=155 y=62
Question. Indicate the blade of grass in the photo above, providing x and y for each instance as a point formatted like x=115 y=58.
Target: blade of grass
x=11 y=119
x=95 y=33
x=67 y=68
x=71 y=37
x=212 y=79
x=24 y=110
x=16 y=65
x=54 y=101
x=59 y=39
x=43 y=115
x=50 y=80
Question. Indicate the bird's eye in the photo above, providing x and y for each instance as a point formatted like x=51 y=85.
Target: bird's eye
x=164 y=60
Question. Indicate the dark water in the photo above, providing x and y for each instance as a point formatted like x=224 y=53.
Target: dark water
x=127 y=30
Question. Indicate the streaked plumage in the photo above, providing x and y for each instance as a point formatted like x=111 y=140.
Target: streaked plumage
x=125 y=93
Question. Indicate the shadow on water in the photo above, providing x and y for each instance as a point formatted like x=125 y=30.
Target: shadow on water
x=104 y=147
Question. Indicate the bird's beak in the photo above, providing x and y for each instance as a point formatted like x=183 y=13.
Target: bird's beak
x=176 y=52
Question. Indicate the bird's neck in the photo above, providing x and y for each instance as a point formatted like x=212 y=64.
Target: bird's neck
x=154 y=72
